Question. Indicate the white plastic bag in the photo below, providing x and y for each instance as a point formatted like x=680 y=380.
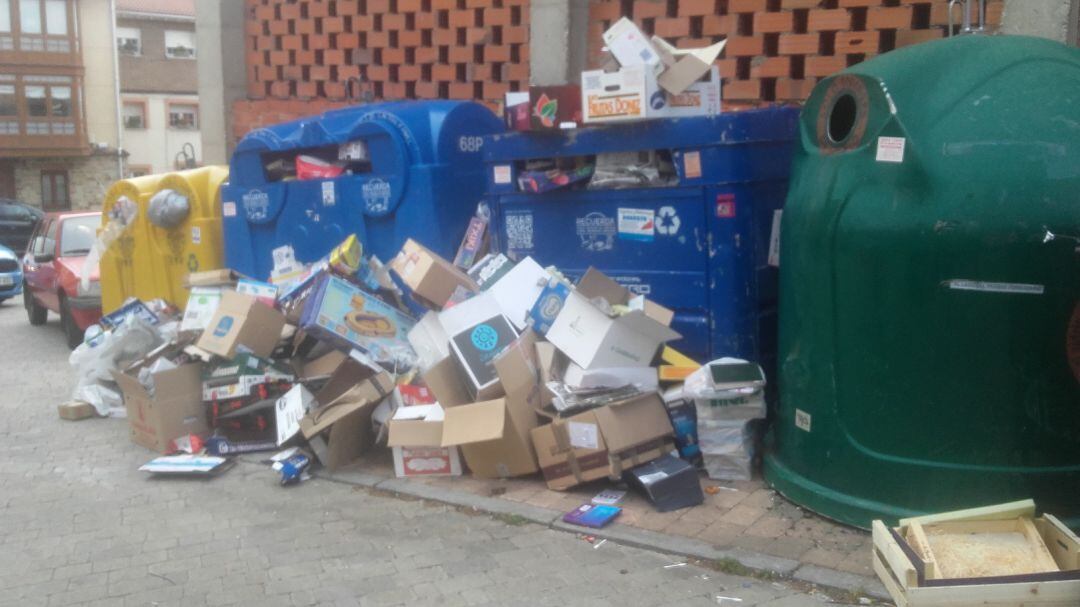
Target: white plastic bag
x=727 y=448
x=726 y=422
x=96 y=358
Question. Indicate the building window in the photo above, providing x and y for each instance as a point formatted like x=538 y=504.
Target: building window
x=5 y=16
x=56 y=17
x=134 y=115
x=30 y=16
x=36 y=102
x=129 y=41
x=183 y=116
x=55 y=195
x=179 y=44
x=44 y=25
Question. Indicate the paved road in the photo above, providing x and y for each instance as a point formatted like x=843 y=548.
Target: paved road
x=80 y=525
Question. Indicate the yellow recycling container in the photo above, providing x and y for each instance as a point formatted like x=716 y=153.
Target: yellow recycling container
x=123 y=205
x=177 y=231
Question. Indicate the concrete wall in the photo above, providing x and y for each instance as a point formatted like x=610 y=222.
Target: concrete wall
x=152 y=71
x=222 y=76
x=157 y=145
x=95 y=37
x=1054 y=19
x=88 y=178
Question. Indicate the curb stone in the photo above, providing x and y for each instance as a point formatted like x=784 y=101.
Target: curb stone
x=621 y=534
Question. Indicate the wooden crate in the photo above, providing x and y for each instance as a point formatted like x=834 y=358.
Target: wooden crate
x=996 y=556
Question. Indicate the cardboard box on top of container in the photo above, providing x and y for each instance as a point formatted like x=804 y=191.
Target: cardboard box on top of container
x=430 y=277
x=684 y=67
x=174 y=409
x=603 y=442
x=543 y=108
x=241 y=321
x=633 y=93
x=630 y=46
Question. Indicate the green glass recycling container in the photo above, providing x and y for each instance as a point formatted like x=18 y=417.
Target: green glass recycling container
x=930 y=273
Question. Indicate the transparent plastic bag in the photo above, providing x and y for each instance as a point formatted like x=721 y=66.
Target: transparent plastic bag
x=727 y=448
x=120 y=216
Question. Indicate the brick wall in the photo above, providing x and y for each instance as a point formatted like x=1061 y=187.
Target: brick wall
x=779 y=49
x=300 y=55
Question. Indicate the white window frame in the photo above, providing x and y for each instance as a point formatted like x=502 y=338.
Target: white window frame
x=186 y=104
x=124 y=33
x=142 y=111
x=188 y=35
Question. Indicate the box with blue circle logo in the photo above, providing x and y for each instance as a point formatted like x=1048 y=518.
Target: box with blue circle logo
x=475 y=349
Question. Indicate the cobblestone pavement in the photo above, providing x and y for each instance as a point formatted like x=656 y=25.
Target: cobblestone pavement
x=80 y=525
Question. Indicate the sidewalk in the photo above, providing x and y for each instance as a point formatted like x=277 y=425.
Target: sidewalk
x=742 y=524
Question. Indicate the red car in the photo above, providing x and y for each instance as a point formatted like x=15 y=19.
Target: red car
x=51 y=270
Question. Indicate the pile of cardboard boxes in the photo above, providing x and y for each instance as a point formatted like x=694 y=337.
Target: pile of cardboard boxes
x=503 y=369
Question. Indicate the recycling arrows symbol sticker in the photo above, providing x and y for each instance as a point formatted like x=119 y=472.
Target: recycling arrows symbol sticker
x=667 y=221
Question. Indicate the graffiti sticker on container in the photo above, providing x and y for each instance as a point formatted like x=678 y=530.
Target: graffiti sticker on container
x=502 y=173
x=802 y=420
x=228 y=209
x=596 y=231
x=890 y=149
x=329 y=198
x=637 y=224
x=519 y=231
x=725 y=206
x=692 y=165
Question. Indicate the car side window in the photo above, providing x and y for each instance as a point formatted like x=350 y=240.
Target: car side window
x=50 y=236
x=37 y=247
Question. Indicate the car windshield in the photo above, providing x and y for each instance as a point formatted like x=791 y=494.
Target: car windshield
x=79 y=234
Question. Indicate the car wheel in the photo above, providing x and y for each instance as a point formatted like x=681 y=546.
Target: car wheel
x=72 y=332
x=35 y=313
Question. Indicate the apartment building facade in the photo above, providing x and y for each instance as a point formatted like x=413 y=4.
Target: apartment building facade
x=157 y=55
x=58 y=135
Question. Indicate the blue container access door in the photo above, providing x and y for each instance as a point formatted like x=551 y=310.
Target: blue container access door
x=699 y=246
x=412 y=169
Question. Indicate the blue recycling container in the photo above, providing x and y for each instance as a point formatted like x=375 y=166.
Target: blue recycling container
x=699 y=246
x=414 y=169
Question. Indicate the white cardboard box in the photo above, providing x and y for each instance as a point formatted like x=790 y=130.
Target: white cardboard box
x=630 y=46
x=632 y=93
x=518 y=290
x=592 y=339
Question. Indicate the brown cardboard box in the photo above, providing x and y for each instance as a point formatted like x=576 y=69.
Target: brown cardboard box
x=212 y=278
x=494 y=435
x=241 y=320
x=343 y=416
x=430 y=277
x=603 y=442
x=174 y=410
x=74 y=410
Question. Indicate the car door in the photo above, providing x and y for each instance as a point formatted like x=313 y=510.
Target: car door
x=39 y=268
